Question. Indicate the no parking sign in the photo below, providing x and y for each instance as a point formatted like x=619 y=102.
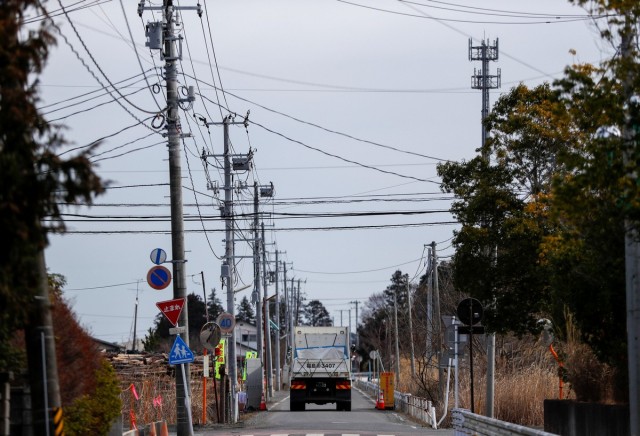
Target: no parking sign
x=159 y=277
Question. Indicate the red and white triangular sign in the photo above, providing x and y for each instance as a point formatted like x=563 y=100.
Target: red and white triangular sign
x=171 y=309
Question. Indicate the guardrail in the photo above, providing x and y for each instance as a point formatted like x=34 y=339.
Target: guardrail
x=419 y=408
x=464 y=422
x=467 y=423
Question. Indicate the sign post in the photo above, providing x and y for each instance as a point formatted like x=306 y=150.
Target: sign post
x=470 y=312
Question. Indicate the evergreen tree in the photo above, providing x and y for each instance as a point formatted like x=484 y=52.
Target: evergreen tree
x=315 y=314
x=214 y=305
x=245 y=311
x=35 y=177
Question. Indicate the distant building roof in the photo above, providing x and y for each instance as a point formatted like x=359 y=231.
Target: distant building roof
x=107 y=346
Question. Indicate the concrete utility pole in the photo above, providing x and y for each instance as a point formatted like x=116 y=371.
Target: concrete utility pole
x=395 y=321
x=256 y=297
x=430 y=301
x=161 y=36
x=228 y=266
x=292 y=312
x=227 y=273
x=41 y=352
x=277 y=307
x=287 y=309
x=632 y=247
x=267 y=327
x=485 y=81
x=437 y=322
x=356 y=332
x=413 y=355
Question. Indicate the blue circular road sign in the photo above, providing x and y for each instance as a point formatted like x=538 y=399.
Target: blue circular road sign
x=158 y=256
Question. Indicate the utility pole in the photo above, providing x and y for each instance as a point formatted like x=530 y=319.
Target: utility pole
x=413 y=354
x=227 y=273
x=46 y=403
x=257 y=299
x=632 y=247
x=292 y=312
x=356 y=302
x=228 y=265
x=267 y=327
x=437 y=322
x=485 y=81
x=298 y=304
x=430 y=302
x=135 y=320
x=286 y=309
x=395 y=320
x=278 y=367
x=161 y=35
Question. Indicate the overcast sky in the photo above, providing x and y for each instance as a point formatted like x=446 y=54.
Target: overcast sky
x=352 y=105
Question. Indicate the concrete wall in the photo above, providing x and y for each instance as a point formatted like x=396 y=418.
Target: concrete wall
x=571 y=418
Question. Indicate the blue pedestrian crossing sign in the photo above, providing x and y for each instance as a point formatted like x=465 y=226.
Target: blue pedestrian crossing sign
x=180 y=353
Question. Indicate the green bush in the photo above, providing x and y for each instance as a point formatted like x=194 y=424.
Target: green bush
x=94 y=414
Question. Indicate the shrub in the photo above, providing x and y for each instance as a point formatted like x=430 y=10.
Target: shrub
x=94 y=414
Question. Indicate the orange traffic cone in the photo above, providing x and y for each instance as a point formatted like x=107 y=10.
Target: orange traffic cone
x=380 y=402
x=164 y=431
x=263 y=404
x=152 y=429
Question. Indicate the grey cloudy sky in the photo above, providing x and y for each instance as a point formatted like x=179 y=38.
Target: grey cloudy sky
x=382 y=72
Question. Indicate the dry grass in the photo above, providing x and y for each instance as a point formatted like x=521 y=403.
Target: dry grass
x=525 y=375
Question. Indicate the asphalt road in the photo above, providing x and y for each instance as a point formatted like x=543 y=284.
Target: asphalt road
x=324 y=420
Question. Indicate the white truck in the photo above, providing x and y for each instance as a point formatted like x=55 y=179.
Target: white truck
x=321 y=367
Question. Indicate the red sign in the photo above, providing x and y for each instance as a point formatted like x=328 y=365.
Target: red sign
x=171 y=309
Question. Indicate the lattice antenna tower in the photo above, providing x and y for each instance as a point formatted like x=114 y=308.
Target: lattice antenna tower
x=481 y=78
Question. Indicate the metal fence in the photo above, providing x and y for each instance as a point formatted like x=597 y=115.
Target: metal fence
x=419 y=408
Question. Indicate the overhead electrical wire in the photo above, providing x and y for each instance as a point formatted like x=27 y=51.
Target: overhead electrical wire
x=75 y=52
x=280 y=229
x=111 y=135
x=496 y=12
x=58 y=12
x=75 y=30
x=346 y=135
x=456 y=20
x=357 y=272
x=206 y=235
x=85 y=218
x=86 y=94
x=85 y=110
x=128 y=152
x=502 y=10
x=326 y=153
x=133 y=44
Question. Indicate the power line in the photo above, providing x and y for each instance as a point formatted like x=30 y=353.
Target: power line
x=456 y=20
x=285 y=229
x=357 y=272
